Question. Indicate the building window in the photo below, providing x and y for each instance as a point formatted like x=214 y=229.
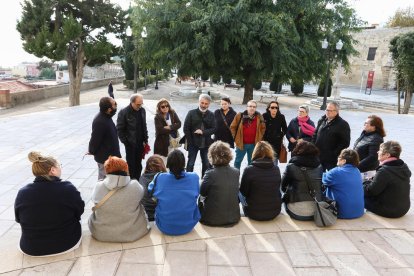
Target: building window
x=371 y=53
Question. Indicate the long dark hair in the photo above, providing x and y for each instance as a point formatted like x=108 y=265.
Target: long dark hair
x=176 y=163
x=268 y=107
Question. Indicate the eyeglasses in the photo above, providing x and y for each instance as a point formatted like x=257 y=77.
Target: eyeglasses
x=251 y=106
x=274 y=107
x=330 y=110
x=164 y=106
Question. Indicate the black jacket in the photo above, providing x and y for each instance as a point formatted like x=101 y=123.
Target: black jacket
x=49 y=214
x=275 y=130
x=220 y=188
x=293 y=131
x=367 y=146
x=388 y=194
x=104 y=138
x=223 y=132
x=147 y=201
x=260 y=184
x=331 y=138
x=128 y=131
x=193 y=121
x=294 y=183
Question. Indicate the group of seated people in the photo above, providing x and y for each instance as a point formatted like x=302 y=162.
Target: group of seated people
x=49 y=209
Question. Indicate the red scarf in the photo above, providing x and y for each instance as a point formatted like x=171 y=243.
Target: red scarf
x=305 y=127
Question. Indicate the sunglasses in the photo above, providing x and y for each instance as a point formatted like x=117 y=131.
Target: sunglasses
x=164 y=106
x=274 y=107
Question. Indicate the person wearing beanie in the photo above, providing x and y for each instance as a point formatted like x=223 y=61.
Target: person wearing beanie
x=48 y=210
x=121 y=217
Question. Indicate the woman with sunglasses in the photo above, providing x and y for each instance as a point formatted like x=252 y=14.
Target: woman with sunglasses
x=276 y=127
x=300 y=128
x=167 y=124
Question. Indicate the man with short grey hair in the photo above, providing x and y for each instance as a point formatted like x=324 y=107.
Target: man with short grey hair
x=133 y=133
x=331 y=136
x=199 y=125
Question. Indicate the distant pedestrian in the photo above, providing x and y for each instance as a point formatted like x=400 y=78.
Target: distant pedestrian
x=247 y=129
x=332 y=135
x=104 y=137
x=111 y=90
x=224 y=117
x=199 y=125
x=133 y=133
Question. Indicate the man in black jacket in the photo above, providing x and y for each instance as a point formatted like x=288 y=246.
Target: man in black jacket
x=133 y=133
x=104 y=137
x=199 y=125
x=331 y=136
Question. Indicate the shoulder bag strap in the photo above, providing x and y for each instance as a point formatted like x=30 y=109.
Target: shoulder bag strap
x=104 y=199
x=305 y=174
x=224 y=119
x=153 y=187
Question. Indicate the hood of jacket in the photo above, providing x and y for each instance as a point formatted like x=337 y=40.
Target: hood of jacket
x=113 y=181
x=398 y=168
x=305 y=161
x=263 y=163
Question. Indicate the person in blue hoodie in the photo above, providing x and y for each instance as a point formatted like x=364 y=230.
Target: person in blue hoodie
x=344 y=184
x=176 y=193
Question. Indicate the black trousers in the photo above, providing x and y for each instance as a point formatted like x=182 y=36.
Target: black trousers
x=134 y=159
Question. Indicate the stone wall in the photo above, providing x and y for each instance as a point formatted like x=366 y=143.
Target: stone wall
x=24 y=97
x=384 y=76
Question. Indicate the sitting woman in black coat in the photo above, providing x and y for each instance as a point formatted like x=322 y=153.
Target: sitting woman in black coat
x=367 y=145
x=48 y=210
x=299 y=204
x=388 y=193
x=260 y=185
x=219 y=202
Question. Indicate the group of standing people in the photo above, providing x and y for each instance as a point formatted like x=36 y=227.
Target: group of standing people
x=169 y=192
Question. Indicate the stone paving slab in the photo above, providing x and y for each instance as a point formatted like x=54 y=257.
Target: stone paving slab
x=369 y=245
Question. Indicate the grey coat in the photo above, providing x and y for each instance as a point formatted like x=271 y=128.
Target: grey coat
x=220 y=188
x=122 y=217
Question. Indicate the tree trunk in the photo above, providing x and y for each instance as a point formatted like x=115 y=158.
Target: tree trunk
x=407 y=102
x=248 y=88
x=76 y=63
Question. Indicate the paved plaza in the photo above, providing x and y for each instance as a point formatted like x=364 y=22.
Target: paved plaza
x=371 y=245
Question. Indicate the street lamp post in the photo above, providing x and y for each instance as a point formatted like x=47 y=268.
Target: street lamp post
x=338 y=47
x=129 y=34
x=156 y=79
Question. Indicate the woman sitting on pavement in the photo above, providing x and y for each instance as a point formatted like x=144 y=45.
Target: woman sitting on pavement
x=388 y=193
x=367 y=145
x=302 y=174
x=120 y=217
x=260 y=185
x=155 y=164
x=48 y=210
x=224 y=117
x=344 y=184
x=300 y=128
x=176 y=193
x=219 y=202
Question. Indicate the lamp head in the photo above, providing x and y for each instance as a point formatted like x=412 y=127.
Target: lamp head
x=325 y=44
x=128 y=31
x=339 y=45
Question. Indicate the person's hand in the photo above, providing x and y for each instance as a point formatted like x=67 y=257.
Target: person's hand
x=198 y=131
x=167 y=127
x=292 y=140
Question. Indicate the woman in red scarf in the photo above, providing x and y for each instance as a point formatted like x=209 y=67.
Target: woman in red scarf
x=300 y=128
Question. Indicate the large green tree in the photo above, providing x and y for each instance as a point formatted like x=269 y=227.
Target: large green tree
x=245 y=39
x=71 y=30
x=402 y=50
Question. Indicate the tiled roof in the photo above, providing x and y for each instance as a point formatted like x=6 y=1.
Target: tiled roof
x=15 y=85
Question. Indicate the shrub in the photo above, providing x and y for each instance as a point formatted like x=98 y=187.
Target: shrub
x=321 y=88
x=257 y=84
x=241 y=82
x=226 y=79
x=297 y=86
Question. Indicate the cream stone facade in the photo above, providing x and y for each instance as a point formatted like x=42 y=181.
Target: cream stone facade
x=382 y=65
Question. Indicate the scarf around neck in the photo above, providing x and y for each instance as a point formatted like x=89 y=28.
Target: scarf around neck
x=305 y=127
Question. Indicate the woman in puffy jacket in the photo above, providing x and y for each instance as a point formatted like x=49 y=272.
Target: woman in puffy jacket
x=302 y=176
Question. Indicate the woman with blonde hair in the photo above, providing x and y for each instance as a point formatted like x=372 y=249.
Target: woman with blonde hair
x=48 y=210
x=155 y=164
x=118 y=215
x=167 y=124
x=260 y=185
x=219 y=202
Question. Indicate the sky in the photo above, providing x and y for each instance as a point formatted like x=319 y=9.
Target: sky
x=12 y=53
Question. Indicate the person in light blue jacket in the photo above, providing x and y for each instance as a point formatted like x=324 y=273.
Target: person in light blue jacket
x=344 y=184
x=176 y=193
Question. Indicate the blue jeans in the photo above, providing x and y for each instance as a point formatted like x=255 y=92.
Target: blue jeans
x=247 y=148
x=192 y=156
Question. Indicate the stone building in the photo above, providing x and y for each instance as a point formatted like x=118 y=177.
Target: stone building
x=374 y=55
